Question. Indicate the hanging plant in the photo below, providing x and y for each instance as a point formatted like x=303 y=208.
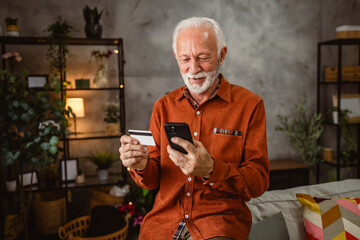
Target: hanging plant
x=58 y=50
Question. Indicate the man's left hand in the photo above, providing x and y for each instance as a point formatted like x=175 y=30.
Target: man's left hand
x=197 y=162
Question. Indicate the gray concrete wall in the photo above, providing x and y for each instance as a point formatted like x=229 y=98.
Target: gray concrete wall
x=272 y=47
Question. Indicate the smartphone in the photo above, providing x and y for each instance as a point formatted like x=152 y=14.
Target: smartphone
x=176 y=129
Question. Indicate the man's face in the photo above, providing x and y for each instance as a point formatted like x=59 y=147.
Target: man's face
x=197 y=58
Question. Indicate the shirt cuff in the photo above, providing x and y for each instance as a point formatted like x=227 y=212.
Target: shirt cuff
x=217 y=176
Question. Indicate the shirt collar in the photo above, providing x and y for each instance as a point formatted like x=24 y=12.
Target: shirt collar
x=223 y=91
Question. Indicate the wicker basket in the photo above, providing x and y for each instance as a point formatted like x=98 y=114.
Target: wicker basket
x=101 y=196
x=49 y=210
x=349 y=73
x=75 y=229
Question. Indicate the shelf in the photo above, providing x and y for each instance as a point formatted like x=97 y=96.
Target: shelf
x=340 y=165
x=342 y=41
x=90 y=181
x=90 y=135
x=354 y=85
x=93 y=181
x=69 y=41
x=340 y=82
x=94 y=89
x=335 y=124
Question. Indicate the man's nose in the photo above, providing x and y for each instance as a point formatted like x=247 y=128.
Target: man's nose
x=194 y=67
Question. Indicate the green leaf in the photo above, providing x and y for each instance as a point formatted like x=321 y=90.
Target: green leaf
x=28 y=144
x=15 y=103
x=25 y=117
x=145 y=192
x=24 y=105
x=44 y=146
x=53 y=149
x=33 y=160
x=54 y=140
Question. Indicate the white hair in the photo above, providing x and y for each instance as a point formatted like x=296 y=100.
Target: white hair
x=198 y=22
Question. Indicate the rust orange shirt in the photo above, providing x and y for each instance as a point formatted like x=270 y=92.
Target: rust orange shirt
x=213 y=207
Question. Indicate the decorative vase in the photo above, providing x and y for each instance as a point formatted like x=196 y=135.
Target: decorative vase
x=100 y=80
x=103 y=174
x=11 y=185
x=93 y=30
x=112 y=128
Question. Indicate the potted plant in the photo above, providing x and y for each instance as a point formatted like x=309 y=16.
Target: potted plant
x=303 y=131
x=100 y=79
x=93 y=29
x=103 y=160
x=112 y=116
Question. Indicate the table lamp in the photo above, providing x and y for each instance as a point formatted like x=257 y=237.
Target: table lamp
x=77 y=106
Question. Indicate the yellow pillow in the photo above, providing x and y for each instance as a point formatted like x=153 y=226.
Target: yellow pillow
x=327 y=218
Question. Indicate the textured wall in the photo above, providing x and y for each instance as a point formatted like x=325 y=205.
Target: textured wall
x=271 y=46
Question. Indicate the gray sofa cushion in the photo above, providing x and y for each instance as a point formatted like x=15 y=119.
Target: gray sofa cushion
x=271 y=202
x=274 y=224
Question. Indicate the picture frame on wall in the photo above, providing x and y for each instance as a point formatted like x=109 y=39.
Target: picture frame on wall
x=27 y=181
x=72 y=166
x=37 y=81
x=350 y=102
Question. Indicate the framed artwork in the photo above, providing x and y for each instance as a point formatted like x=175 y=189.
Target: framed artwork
x=37 y=81
x=350 y=102
x=27 y=178
x=71 y=169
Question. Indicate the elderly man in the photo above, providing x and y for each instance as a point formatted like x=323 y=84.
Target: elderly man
x=202 y=194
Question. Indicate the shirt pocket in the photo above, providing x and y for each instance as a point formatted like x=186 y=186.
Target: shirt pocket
x=227 y=145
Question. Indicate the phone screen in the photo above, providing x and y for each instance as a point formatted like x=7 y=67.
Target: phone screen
x=175 y=129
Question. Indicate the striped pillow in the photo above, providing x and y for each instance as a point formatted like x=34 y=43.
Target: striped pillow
x=326 y=218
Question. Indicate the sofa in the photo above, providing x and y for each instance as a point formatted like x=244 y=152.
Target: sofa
x=302 y=212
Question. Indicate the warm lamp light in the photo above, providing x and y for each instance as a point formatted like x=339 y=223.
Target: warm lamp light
x=77 y=107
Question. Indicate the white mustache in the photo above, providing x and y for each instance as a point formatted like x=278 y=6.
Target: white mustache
x=198 y=75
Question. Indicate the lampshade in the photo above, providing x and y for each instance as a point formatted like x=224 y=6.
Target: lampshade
x=77 y=106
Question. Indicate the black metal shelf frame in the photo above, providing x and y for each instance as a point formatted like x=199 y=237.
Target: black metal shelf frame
x=116 y=42
x=339 y=43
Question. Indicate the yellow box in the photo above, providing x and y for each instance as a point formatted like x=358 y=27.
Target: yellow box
x=348 y=73
x=328 y=154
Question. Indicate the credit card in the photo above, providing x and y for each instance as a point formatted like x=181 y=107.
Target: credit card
x=144 y=137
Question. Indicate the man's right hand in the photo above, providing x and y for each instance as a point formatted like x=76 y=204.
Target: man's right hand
x=133 y=154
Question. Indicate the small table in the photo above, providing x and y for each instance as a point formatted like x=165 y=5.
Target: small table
x=288 y=173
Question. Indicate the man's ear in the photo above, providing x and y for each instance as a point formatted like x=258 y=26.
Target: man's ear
x=223 y=54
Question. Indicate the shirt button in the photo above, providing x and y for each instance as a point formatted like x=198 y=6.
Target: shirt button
x=195 y=134
x=189 y=179
x=197 y=112
x=188 y=194
x=186 y=216
x=211 y=183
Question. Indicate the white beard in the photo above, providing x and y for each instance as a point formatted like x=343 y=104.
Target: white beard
x=210 y=78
